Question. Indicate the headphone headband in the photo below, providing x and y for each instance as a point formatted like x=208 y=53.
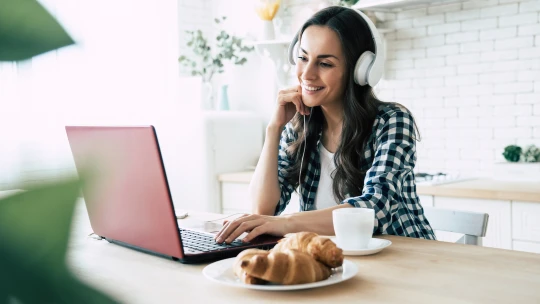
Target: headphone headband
x=369 y=67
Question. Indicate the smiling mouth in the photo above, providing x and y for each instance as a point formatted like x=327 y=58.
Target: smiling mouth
x=311 y=88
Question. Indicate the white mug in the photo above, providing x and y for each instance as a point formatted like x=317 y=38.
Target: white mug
x=353 y=227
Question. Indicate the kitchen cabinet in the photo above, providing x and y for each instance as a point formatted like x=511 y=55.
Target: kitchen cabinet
x=526 y=246
x=526 y=226
x=426 y=200
x=526 y=221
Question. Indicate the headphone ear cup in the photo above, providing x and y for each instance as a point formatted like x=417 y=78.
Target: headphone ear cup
x=293 y=52
x=362 y=67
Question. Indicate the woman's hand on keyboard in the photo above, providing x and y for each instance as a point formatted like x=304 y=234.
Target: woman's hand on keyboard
x=255 y=225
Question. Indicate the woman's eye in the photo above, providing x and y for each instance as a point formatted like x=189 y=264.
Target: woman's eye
x=302 y=58
x=325 y=65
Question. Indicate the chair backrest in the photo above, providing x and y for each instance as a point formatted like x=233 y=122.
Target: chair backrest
x=472 y=225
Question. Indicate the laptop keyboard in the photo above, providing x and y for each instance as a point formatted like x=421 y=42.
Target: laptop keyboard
x=196 y=242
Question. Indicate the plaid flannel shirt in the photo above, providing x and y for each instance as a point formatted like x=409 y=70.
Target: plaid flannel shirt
x=389 y=186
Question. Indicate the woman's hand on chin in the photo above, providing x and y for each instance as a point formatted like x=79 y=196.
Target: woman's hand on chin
x=255 y=225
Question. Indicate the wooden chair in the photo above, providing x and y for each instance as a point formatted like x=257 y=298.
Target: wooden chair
x=472 y=225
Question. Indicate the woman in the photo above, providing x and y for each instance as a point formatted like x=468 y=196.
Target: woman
x=356 y=152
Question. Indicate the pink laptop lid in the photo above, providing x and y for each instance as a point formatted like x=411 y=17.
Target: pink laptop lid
x=127 y=197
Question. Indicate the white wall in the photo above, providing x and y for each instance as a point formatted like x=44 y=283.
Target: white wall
x=470 y=72
x=123 y=70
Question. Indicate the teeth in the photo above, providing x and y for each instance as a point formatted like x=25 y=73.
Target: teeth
x=312 y=88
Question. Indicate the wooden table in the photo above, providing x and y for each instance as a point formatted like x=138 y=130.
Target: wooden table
x=409 y=271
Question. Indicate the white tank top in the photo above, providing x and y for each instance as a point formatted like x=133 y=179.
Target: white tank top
x=325 y=194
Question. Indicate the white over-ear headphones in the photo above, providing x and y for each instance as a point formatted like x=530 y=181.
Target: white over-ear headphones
x=369 y=66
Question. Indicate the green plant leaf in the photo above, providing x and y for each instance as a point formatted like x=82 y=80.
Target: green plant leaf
x=226 y=48
x=34 y=232
x=27 y=30
x=531 y=154
x=347 y=3
x=512 y=153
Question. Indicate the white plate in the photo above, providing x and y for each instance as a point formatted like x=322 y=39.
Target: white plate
x=222 y=272
x=375 y=245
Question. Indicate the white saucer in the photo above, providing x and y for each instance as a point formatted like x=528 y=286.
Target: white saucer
x=375 y=245
x=222 y=272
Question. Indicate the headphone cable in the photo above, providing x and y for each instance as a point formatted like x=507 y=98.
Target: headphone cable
x=302 y=160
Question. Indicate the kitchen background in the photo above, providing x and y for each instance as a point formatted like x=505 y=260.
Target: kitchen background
x=470 y=73
x=468 y=70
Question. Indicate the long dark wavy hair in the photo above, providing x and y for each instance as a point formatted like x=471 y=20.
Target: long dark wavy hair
x=360 y=108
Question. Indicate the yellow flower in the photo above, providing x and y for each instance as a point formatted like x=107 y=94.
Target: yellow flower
x=267 y=9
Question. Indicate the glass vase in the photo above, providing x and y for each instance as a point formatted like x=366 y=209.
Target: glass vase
x=223 y=103
x=268 y=32
x=207 y=96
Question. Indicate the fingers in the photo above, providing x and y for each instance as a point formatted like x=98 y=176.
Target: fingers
x=294 y=98
x=296 y=88
x=243 y=227
x=226 y=224
x=300 y=106
x=230 y=227
x=255 y=232
x=255 y=225
x=241 y=216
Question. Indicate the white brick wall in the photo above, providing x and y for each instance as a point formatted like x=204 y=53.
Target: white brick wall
x=488 y=55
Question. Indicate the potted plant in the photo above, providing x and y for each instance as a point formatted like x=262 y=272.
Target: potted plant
x=208 y=59
x=512 y=153
x=521 y=164
x=531 y=154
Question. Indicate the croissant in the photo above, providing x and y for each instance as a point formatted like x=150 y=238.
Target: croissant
x=320 y=248
x=286 y=267
x=244 y=256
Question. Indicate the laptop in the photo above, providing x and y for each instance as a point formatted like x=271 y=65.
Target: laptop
x=128 y=197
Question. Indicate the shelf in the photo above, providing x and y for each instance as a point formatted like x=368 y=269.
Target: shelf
x=394 y=6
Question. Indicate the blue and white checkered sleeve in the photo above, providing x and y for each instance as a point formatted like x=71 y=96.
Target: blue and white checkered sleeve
x=288 y=136
x=395 y=156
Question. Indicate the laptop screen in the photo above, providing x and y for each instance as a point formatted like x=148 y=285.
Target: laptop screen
x=127 y=194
